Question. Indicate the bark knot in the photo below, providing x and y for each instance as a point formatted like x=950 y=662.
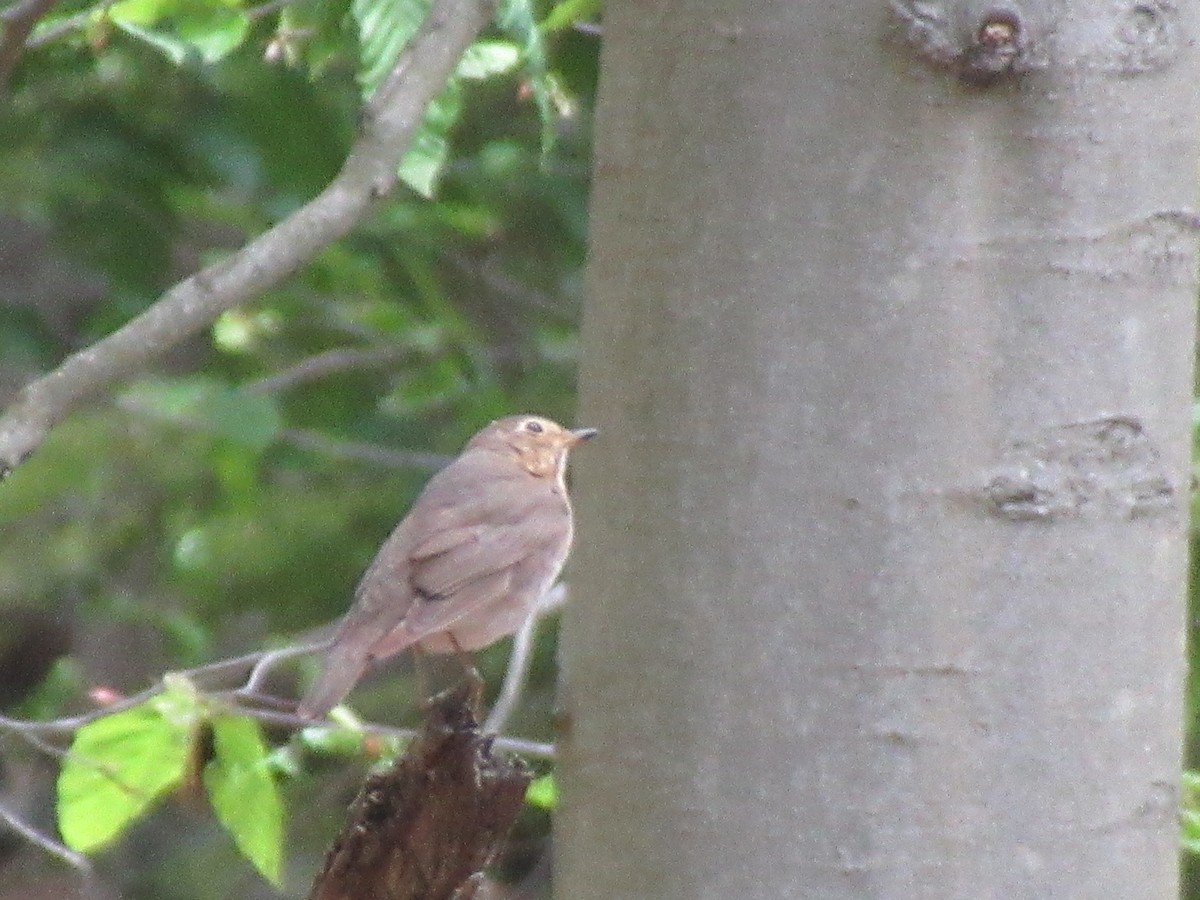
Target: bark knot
x=1106 y=468
x=981 y=43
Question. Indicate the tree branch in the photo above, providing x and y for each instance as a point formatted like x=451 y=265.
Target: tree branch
x=329 y=362
x=245 y=700
x=18 y=20
x=52 y=33
x=428 y=826
x=368 y=174
x=47 y=843
x=315 y=442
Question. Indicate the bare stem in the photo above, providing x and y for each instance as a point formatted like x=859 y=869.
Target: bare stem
x=368 y=174
x=47 y=843
x=517 y=673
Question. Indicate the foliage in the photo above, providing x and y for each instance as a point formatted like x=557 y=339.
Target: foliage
x=231 y=497
x=542 y=792
x=1190 y=815
x=119 y=765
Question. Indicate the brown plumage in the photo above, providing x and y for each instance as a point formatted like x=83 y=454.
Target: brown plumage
x=469 y=563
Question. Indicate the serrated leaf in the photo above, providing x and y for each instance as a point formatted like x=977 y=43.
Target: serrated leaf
x=244 y=795
x=542 y=792
x=118 y=766
x=422 y=165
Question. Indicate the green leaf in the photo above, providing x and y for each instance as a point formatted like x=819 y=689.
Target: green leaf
x=517 y=18
x=322 y=24
x=119 y=765
x=567 y=13
x=542 y=792
x=244 y=795
x=1190 y=831
x=245 y=417
x=204 y=30
x=216 y=37
x=384 y=28
x=1189 y=817
x=142 y=12
x=484 y=59
x=177 y=51
x=422 y=164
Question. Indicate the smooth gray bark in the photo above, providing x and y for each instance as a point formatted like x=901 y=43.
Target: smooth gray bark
x=879 y=585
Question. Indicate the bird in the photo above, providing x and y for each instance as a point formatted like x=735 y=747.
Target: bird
x=482 y=543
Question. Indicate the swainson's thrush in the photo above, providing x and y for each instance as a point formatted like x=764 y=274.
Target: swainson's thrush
x=469 y=563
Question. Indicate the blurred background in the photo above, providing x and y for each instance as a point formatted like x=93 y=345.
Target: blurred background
x=230 y=498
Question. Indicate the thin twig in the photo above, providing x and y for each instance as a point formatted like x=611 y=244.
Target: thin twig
x=490 y=275
x=369 y=173
x=40 y=744
x=18 y=20
x=321 y=365
x=514 y=677
x=257 y=664
x=47 y=843
x=535 y=749
x=356 y=451
x=268 y=661
x=519 y=660
x=65 y=26
x=70 y=724
x=265 y=9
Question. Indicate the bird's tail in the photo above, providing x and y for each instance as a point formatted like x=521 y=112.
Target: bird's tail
x=341 y=670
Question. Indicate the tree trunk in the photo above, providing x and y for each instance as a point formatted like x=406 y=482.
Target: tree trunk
x=879 y=589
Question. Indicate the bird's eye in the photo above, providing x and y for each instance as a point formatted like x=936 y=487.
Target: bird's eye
x=533 y=426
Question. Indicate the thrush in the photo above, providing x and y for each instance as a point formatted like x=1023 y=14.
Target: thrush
x=467 y=566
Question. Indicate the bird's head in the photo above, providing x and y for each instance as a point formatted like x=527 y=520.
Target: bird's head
x=540 y=445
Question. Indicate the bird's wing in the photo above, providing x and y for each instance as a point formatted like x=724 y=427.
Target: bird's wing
x=456 y=504
x=468 y=549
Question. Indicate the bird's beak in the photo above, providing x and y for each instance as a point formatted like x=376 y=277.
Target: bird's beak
x=583 y=434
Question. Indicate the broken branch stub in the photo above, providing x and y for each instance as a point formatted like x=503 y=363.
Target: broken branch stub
x=428 y=826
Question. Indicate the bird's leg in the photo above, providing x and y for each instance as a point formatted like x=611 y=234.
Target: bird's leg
x=474 y=679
